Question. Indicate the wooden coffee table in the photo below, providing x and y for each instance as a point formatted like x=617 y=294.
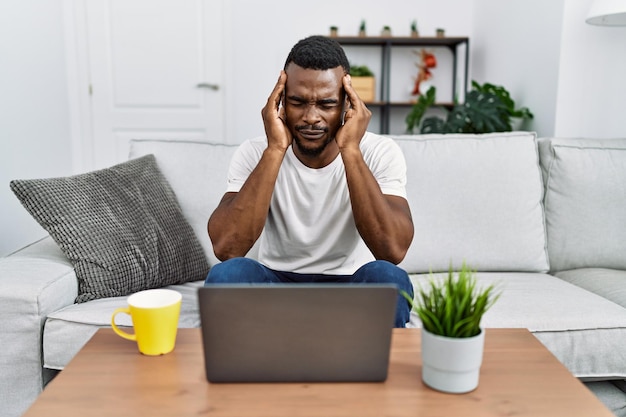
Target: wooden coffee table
x=109 y=377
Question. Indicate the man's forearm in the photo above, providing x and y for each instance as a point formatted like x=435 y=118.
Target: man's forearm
x=384 y=222
x=239 y=219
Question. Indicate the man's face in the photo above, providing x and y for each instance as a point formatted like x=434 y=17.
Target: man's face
x=313 y=107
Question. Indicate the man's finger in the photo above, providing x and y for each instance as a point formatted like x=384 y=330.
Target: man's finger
x=281 y=114
x=278 y=90
x=353 y=97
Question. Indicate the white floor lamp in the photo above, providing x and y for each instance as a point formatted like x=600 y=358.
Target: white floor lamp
x=607 y=13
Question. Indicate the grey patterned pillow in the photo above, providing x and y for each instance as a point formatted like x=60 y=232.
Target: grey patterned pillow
x=121 y=227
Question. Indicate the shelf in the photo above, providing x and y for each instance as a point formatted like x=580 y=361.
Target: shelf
x=404 y=104
x=456 y=45
x=450 y=42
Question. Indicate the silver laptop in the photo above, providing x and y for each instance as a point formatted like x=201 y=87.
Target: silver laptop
x=297 y=332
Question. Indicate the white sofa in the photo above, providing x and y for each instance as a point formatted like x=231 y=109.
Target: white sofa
x=544 y=219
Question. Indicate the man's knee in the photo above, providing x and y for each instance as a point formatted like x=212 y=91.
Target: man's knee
x=382 y=272
x=235 y=270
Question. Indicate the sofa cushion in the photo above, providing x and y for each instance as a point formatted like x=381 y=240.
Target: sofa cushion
x=608 y=283
x=584 y=331
x=34 y=282
x=121 y=228
x=585 y=202
x=68 y=329
x=197 y=171
x=475 y=198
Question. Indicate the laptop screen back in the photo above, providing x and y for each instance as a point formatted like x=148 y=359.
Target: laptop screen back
x=297 y=332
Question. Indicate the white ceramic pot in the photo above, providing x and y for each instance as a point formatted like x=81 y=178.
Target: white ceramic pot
x=451 y=364
x=516 y=123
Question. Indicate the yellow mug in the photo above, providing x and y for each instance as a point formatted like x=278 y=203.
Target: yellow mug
x=155 y=319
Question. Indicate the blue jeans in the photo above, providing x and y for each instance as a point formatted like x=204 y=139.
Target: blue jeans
x=245 y=270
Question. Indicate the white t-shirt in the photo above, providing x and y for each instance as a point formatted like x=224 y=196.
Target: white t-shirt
x=310 y=227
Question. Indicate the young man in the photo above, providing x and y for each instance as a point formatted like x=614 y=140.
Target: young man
x=328 y=196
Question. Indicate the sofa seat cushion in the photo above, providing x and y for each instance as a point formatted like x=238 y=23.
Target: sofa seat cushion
x=585 y=202
x=475 y=198
x=68 y=329
x=609 y=283
x=584 y=331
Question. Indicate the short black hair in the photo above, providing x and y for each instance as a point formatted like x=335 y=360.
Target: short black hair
x=318 y=53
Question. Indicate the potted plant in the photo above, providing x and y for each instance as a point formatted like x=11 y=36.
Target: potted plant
x=363 y=82
x=386 y=31
x=487 y=108
x=517 y=115
x=334 y=30
x=451 y=310
x=362 y=29
x=414 y=31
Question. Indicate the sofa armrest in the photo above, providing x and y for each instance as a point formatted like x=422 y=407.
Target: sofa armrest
x=34 y=282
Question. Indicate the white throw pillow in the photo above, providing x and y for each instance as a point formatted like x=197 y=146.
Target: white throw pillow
x=475 y=198
x=585 y=202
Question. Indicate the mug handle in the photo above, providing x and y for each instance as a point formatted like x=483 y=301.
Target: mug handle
x=119 y=332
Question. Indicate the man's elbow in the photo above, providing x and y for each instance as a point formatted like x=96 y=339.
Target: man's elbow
x=225 y=249
x=394 y=255
x=224 y=252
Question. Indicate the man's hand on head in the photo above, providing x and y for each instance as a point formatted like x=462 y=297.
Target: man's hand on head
x=356 y=119
x=278 y=135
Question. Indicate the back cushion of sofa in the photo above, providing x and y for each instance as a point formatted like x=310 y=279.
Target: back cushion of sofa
x=585 y=202
x=197 y=173
x=475 y=198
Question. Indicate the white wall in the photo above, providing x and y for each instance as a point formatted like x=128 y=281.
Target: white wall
x=516 y=43
x=592 y=77
x=34 y=112
x=568 y=73
x=256 y=46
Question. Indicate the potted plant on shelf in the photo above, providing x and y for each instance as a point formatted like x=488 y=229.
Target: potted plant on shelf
x=487 y=108
x=414 y=31
x=452 y=339
x=334 y=31
x=363 y=82
x=362 y=29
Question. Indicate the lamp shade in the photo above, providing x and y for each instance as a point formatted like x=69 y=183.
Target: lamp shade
x=607 y=13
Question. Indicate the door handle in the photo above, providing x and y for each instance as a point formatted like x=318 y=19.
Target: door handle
x=208 y=85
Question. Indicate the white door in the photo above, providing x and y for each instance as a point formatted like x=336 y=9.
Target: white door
x=155 y=69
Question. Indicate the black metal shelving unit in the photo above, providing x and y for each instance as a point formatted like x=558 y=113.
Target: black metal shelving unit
x=386 y=43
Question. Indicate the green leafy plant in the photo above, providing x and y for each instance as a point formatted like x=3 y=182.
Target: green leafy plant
x=362 y=26
x=453 y=307
x=360 y=71
x=487 y=108
x=505 y=97
x=417 y=111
